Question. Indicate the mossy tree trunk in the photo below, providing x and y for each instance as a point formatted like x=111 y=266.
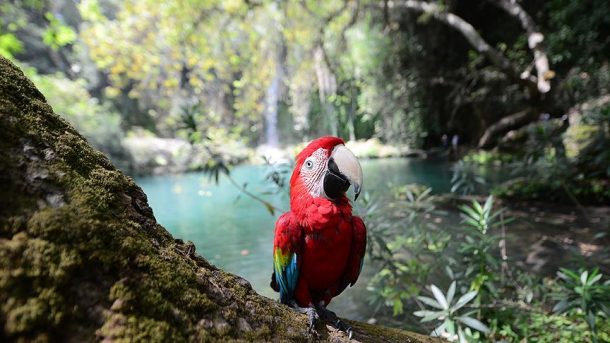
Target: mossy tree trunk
x=82 y=257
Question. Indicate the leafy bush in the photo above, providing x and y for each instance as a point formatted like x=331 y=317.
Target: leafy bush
x=9 y=45
x=498 y=302
x=406 y=245
x=485 y=157
x=586 y=292
x=565 y=164
x=476 y=251
x=466 y=178
x=455 y=322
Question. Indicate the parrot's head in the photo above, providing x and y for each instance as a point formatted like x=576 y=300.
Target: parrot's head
x=325 y=168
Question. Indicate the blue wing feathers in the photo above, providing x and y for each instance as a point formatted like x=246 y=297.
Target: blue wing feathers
x=286 y=254
x=287 y=278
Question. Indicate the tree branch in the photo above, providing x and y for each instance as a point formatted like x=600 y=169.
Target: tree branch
x=473 y=37
x=504 y=124
x=534 y=41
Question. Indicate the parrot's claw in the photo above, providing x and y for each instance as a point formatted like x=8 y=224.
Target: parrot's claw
x=341 y=326
x=312 y=317
x=337 y=323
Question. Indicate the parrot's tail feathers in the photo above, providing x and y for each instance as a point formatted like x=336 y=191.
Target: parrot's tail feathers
x=273 y=283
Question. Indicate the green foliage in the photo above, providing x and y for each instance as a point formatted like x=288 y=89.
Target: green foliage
x=488 y=157
x=277 y=175
x=564 y=163
x=466 y=178
x=229 y=70
x=481 y=218
x=456 y=322
x=389 y=96
x=595 y=150
x=585 y=291
x=576 y=33
x=406 y=245
x=9 y=45
x=499 y=302
x=90 y=10
x=57 y=34
x=542 y=327
x=476 y=251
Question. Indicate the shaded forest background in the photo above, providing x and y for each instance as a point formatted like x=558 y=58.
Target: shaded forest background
x=523 y=86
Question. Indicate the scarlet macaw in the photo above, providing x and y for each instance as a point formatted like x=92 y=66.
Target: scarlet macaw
x=319 y=246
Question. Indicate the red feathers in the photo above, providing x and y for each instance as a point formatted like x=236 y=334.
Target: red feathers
x=326 y=142
x=319 y=246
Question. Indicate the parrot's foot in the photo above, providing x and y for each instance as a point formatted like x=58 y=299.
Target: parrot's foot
x=330 y=316
x=312 y=317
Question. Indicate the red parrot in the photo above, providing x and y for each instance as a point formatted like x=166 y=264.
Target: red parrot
x=319 y=245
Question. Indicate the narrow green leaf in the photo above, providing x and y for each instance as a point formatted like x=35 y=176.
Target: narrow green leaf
x=270 y=208
x=450 y=327
x=439 y=330
x=488 y=204
x=561 y=306
x=471 y=222
x=470 y=212
x=430 y=302
x=464 y=299
x=428 y=315
x=462 y=335
x=451 y=292
x=424 y=194
x=568 y=274
x=439 y=296
x=474 y=323
x=477 y=207
x=594 y=279
x=397 y=307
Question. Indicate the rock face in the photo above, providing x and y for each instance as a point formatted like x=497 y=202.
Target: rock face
x=82 y=257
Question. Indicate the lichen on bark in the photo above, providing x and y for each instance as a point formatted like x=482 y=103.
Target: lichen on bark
x=82 y=257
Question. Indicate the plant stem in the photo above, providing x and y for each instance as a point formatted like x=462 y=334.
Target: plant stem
x=253 y=196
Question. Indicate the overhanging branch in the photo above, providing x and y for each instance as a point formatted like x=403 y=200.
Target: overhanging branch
x=472 y=36
x=534 y=41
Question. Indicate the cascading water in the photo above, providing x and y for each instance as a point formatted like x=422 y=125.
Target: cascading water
x=272 y=99
x=271 y=147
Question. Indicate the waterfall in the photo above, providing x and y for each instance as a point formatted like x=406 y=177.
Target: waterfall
x=272 y=99
x=273 y=95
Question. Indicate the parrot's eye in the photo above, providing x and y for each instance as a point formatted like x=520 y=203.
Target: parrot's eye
x=308 y=164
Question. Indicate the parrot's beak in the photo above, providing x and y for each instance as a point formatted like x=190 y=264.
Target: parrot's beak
x=342 y=171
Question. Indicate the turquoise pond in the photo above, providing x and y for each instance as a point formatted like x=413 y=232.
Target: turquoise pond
x=235 y=232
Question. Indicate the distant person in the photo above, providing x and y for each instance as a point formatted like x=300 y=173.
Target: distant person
x=445 y=141
x=455 y=141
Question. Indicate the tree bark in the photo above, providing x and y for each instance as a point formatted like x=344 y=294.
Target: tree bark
x=534 y=41
x=509 y=122
x=82 y=257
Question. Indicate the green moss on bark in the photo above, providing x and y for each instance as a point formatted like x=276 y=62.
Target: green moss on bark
x=82 y=257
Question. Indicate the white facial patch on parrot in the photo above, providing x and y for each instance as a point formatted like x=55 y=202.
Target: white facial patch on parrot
x=312 y=172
